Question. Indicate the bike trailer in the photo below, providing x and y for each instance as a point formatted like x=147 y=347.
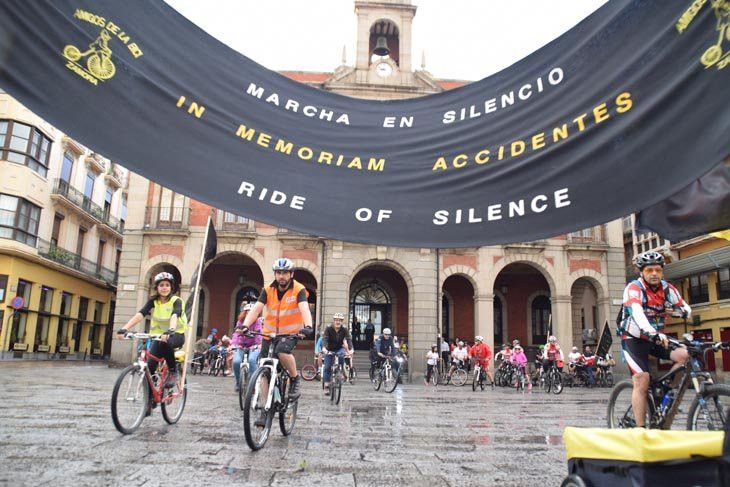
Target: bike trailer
x=636 y=457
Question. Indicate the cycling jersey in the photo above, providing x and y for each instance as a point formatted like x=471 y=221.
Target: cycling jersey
x=460 y=354
x=553 y=352
x=644 y=307
x=482 y=353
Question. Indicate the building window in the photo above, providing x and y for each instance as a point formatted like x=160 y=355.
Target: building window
x=57 y=219
x=19 y=219
x=723 y=283
x=44 y=318
x=83 y=313
x=3 y=287
x=68 y=166
x=100 y=256
x=64 y=322
x=80 y=241
x=698 y=289
x=540 y=319
x=108 y=202
x=171 y=206
x=20 y=317
x=24 y=144
x=124 y=208
x=89 y=187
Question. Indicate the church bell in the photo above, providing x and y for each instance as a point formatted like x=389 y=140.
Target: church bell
x=381 y=47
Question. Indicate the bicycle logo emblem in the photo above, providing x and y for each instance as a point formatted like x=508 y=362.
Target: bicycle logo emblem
x=98 y=58
x=95 y=64
x=715 y=54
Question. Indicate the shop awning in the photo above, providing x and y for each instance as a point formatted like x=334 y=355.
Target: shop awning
x=698 y=264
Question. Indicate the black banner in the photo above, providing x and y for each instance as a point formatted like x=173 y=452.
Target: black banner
x=210 y=248
x=616 y=115
x=604 y=341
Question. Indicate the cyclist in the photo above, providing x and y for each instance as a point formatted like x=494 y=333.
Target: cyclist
x=644 y=303
x=349 y=356
x=575 y=358
x=458 y=357
x=445 y=351
x=432 y=359
x=286 y=311
x=334 y=340
x=243 y=343
x=552 y=354
x=384 y=349
x=167 y=313
x=505 y=355
x=318 y=354
x=482 y=354
x=520 y=360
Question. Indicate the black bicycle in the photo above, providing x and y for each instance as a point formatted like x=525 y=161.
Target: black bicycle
x=337 y=377
x=268 y=394
x=709 y=409
x=386 y=376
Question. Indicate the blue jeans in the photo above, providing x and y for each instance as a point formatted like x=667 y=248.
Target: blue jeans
x=253 y=356
x=328 y=359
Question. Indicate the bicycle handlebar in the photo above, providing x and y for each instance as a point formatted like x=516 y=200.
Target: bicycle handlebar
x=132 y=335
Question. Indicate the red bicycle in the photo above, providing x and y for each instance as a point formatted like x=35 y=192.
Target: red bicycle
x=131 y=396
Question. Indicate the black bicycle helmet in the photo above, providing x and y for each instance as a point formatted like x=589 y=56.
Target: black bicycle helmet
x=649 y=258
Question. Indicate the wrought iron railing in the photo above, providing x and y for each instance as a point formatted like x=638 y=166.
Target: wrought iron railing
x=53 y=252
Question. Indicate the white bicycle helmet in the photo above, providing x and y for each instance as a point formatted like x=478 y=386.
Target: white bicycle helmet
x=552 y=339
x=386 y=331
x=283 y=264
x=338 y=316
x=479 y=338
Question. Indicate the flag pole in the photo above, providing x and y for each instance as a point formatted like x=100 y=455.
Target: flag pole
x=194 y=315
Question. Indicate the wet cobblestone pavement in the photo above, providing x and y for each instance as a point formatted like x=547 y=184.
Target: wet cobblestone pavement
x=56 y=428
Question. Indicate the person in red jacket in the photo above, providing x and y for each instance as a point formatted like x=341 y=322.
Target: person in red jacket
x=482 y=354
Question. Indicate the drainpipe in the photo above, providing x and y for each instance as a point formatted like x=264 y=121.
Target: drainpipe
x=438 y=304
x=321 y=285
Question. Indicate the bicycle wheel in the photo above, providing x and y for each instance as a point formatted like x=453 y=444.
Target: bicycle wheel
x=557 y=382
x=174 y=403
x=391 y=381
x=218 y=367
x=377 y=379
x=620 y=414
x=717 y=404
x=475 y=382
x=573 y=481
x=459 y=377
x=545 y=382
x=287 y=414
x=435 y=377
x=253 y=409
x=309 y=372
x=336 y=388
x=129 y=399
x=242 y=384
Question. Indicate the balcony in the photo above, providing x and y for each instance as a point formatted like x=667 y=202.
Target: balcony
x=95 y=163
x=166 y=218
x=74 y=261
x=594 y=236
x=79 y=200
x=113 y=176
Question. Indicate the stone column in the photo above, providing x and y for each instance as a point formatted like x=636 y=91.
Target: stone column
x=485 y=318
x=562 y=320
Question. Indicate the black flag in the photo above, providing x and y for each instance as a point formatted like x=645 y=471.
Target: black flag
x=604 y=343
x=211 y=248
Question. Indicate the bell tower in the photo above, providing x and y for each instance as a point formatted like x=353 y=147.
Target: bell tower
x=384 y=38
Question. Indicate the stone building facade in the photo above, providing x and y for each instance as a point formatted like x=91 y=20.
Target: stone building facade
x=569 y=282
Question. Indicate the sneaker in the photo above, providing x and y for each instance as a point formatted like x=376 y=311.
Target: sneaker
x=295 y=388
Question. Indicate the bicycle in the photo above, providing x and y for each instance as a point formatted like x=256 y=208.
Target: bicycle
x=385 y=376
x=458 y=377
x=604 y=376
x=520 y=378
x=197 y=364
x=275 y=400
x=310 y=372
x=480 y=376
x=663 y=400
x=552 y=380
x=216 y=362
x=242 y=376
x=435 y=375
x=336 y=378
x=350 y=372
x=131 y=395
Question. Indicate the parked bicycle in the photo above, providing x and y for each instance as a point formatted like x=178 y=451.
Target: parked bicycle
x=604 y=376
x=197 y=364
x=504 y=376
x=131 y=395
x=385 y=376
x=266 y=395
x=709 y=408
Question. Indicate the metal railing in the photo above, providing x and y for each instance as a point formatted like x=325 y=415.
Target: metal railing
x=166 y=218
x=593 y=235
x=74 y=261
x=76 y=197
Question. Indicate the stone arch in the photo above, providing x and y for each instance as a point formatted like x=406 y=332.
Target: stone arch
x=599 y=281
x=154 y=262
x=599 y=284
x=244 y=249
x=533 y=260
x=305 y=265
x=461 y=270
x=396 y=266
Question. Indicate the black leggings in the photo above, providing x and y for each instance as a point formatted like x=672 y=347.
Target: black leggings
x=165 y=350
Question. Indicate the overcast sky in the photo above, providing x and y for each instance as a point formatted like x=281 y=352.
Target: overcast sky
x=462 y=39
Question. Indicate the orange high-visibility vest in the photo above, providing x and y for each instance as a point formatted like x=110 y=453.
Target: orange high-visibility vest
x=283 y=317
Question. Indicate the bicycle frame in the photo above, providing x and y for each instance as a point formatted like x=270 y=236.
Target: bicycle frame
x=158 y=390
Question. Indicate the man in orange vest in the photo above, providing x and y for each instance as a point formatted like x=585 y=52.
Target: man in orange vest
x=286 y=312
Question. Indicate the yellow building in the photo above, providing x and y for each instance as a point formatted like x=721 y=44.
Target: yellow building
x=700 y=269
x=60 y=246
